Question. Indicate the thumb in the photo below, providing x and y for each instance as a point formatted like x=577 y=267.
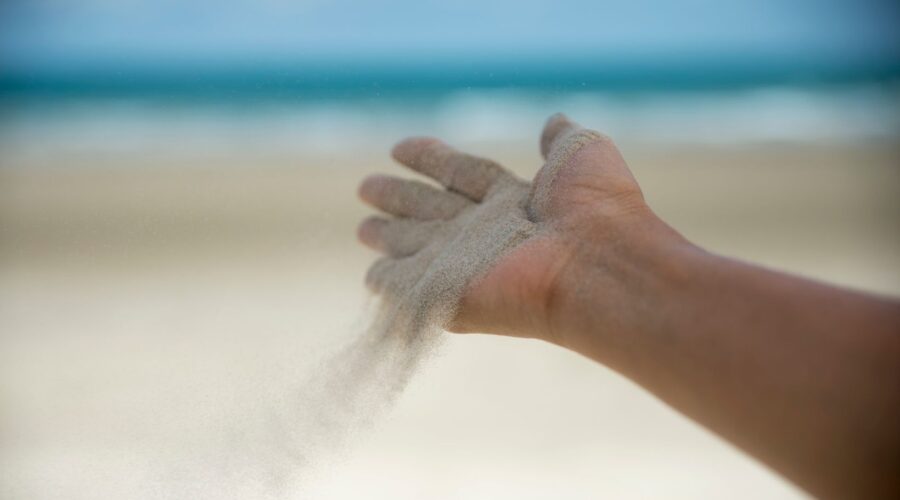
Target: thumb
x=556 y=127
x=561 y=140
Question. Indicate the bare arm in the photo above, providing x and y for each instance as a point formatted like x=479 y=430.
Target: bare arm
x=803 y=376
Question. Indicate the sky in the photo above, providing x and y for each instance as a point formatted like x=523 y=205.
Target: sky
x=44 y=33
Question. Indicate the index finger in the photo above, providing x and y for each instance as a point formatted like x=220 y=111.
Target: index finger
x=466 y=174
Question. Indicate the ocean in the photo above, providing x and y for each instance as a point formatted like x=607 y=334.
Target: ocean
x=329 y=105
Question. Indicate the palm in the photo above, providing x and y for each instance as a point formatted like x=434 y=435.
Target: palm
x=583 y=177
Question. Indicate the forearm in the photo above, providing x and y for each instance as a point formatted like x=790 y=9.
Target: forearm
x=803 y=376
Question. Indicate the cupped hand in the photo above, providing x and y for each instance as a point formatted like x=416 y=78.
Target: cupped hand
x=509 y=245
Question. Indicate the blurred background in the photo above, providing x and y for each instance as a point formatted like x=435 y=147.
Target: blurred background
x=177 y=218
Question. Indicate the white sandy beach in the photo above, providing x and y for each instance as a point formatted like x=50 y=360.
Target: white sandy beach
x=154 y=305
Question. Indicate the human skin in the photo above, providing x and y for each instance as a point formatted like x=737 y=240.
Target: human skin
x=801 y=375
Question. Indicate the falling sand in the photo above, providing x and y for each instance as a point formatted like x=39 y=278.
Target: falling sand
x=419 y=291
x=440 y=242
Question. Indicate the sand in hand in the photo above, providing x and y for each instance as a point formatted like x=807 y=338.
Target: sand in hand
x=437 y=243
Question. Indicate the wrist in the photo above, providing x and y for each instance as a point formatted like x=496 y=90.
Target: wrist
x=620 y=272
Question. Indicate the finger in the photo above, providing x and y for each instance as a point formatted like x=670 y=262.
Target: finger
x=406 y=198
x=458 y=171
x=556 y=126
x=384 y=274
x=395 y=277
x=398 y=237
x=561 y=137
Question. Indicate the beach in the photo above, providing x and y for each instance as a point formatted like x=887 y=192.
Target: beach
x=156 y=303
x=185 y=307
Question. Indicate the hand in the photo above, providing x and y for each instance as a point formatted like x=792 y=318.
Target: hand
x=584 y=198
x=801 y=375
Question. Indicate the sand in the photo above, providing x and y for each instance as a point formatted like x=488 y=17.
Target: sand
x=442 y=241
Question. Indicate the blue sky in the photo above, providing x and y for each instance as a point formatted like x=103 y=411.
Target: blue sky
x=48 y=32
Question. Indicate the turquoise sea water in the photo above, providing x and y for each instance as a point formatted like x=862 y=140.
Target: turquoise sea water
x=424 y=79
x=321 y=105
